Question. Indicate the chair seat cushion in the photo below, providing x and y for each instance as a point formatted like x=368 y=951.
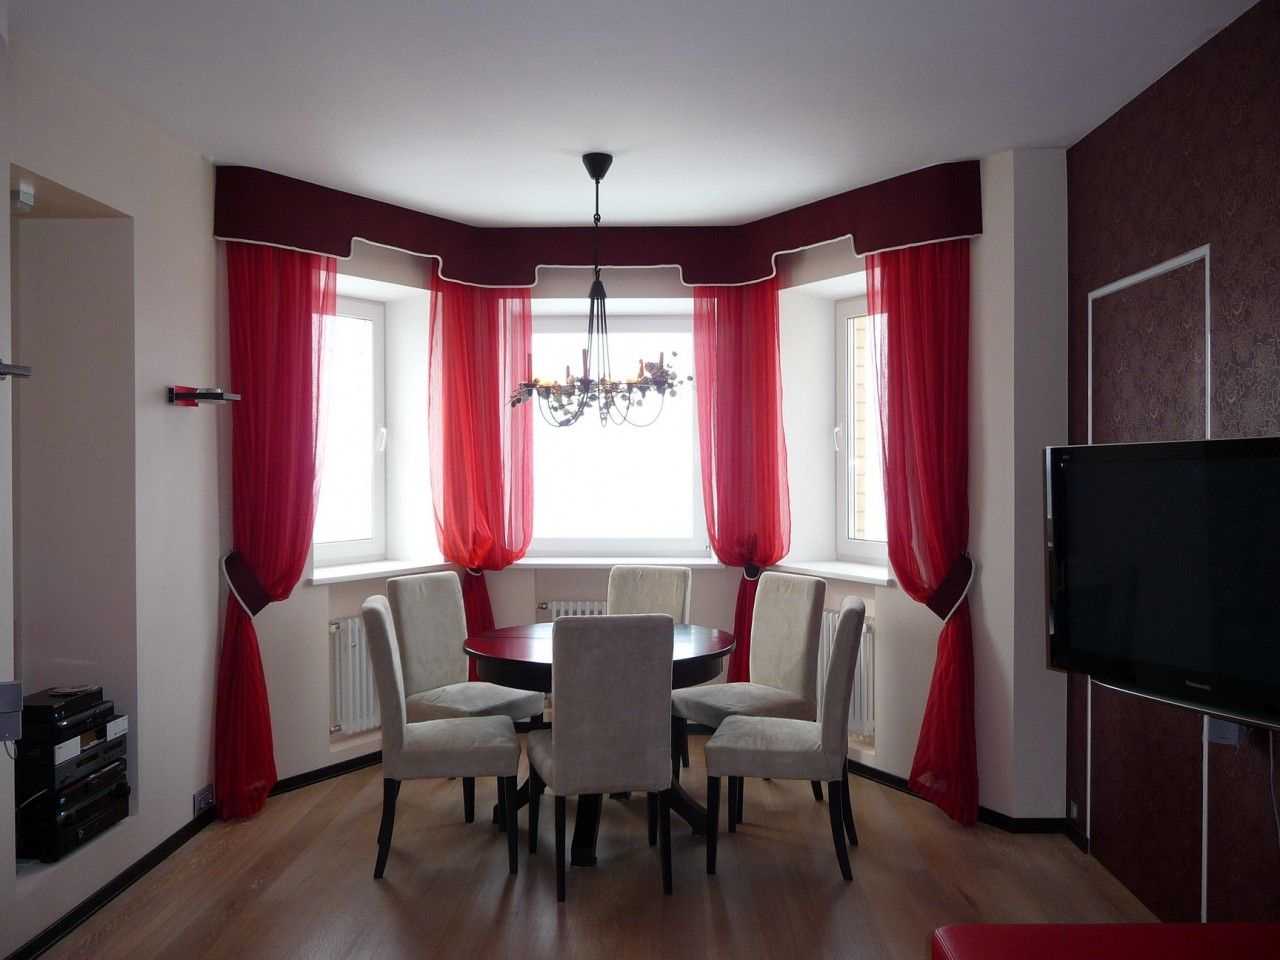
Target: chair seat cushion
x=475 y=699
x=459 y=747
x=711 y=703
x=773 y=747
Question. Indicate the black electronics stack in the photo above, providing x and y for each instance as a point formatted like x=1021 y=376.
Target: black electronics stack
x=72 y=771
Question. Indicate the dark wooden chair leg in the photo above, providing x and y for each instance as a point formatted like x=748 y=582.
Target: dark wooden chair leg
x=535 y=803
x=847 y=807
x=509 y=788
x=679 y=741
x=469 y=799
x=560 y=814
x=684 y=749
x=835 y=803
x=732 y=812
x=713 y=821
x=817 y=789
x=664 y=832
x=653 y=819
x=742 y=798
x=390 y=790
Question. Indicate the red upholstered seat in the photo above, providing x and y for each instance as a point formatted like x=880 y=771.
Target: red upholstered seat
x=1103 y=941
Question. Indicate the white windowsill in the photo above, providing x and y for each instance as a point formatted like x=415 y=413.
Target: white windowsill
x=873 y=573
x=374 y=570
x=870 y=573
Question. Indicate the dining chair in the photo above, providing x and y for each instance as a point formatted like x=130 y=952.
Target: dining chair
x=431 y=624
x=650 y=589
x=781 y=748
x=601 y=742
x=451 y=747
x=785 y=625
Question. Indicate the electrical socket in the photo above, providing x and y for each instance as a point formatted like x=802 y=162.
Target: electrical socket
x=1073 y=810
x=201 y=800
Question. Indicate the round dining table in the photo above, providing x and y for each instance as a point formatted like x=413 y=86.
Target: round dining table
x=521 y=657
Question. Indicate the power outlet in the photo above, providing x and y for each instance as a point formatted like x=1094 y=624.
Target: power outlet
x=201 y=801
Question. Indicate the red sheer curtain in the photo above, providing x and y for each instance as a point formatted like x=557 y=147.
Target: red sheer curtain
x=744 y=454
x=923 y=294
x=276 y=302
x=480 y=343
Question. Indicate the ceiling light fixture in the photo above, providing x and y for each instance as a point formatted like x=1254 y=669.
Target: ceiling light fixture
x=563 y=404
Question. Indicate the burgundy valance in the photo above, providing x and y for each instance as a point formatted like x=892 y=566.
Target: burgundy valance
x=936 y=203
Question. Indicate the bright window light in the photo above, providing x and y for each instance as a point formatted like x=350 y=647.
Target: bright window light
x=620 y=490
x=350 y=525
x=862 y=524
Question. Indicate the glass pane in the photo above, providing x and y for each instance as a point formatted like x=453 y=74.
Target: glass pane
x=866 y=470
x=615 y=482
x=345 y=511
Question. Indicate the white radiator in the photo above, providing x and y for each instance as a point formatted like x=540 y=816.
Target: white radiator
x=575 y=608
x=353 y=699
x=862 y=706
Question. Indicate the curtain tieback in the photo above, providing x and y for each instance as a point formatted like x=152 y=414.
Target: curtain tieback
x=950 y=593
x=752 y=571
x=244 y=583
x=474 y=571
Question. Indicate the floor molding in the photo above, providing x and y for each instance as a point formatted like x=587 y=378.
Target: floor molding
x=87 y=907
x=68 y=922
x=991 y=818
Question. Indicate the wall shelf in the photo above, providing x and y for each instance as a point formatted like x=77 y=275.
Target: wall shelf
x=194 y=396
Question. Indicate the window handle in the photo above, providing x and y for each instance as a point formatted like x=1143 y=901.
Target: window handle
x=380 y=441
x=835 y=439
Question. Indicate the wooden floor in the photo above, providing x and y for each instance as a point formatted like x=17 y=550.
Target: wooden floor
x=296 y=881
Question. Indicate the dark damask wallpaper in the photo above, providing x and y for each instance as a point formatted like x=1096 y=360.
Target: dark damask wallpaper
x=1193 y=160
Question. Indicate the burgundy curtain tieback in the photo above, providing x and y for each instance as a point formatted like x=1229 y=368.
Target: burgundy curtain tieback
x=752 y=571
x=244 y=584
x=945 y=600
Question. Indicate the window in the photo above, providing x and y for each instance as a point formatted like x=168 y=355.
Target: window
x=351 y=516
x=861 y=529
x=618 y=490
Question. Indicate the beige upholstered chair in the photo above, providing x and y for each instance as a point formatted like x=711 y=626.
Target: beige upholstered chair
x=787 y=749
x=454 y=747
x=785 y=626
x=602 y=742
x=637 y=589
x=431 y=625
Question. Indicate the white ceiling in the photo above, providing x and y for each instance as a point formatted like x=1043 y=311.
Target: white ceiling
x=719 y=111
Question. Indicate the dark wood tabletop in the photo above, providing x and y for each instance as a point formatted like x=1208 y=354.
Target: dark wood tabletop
x=521 y=656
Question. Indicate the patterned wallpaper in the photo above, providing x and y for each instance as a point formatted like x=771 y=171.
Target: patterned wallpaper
x=1193 y=160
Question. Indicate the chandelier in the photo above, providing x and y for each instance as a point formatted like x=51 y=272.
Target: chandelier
x=638 y=400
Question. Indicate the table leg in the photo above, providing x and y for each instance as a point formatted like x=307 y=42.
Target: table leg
x=586 y=828
x=522 y=799
x=688 y=809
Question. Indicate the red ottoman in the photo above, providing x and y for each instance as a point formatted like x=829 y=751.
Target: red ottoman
x=1104 y=941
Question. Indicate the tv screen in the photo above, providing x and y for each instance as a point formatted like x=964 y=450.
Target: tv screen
x=1164 y=570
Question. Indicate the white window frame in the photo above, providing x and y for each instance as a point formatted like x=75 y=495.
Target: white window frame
x=848 y=548
x=366 y=550
x=695 y=546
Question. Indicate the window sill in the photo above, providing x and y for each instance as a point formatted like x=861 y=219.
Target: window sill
x=373 y=570
x=875 y=574
x=604 y=563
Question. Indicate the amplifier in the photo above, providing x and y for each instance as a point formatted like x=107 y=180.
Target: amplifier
x=40 y=731
x=55 y=766
x=55 y=704
x=52 y=824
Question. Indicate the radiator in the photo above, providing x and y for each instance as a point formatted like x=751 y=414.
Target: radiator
x=353 y=700
x=862 y=706
x=573 y=608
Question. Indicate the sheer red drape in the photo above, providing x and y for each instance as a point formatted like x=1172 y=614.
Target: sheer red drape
x=480 y=343
x=276 y=302
x=744 y=454
x=923 y=293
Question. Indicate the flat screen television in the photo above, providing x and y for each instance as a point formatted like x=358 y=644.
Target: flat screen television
x=1163 y=568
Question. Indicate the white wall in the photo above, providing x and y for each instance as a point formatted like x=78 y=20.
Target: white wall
x=410 y=521
x=74 y=459
x=1017 y=406
x=71 y=134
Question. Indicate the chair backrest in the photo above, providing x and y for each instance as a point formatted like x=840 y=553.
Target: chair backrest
x=785 y=627
x=432 y=628
x=638 y=589
x=837 y=686
x=384 y=654
x=611 y=679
